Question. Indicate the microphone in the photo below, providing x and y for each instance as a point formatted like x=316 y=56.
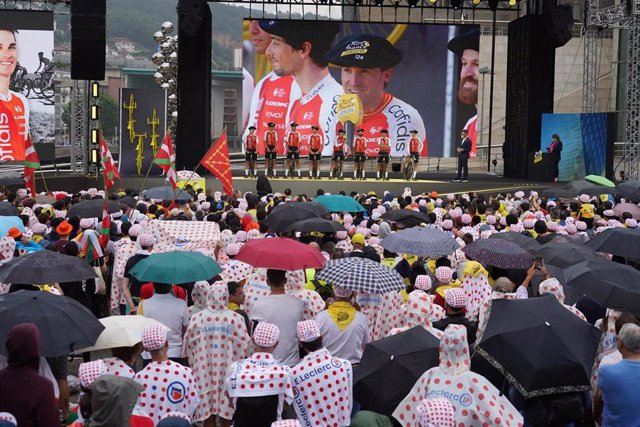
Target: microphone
x=350 y=113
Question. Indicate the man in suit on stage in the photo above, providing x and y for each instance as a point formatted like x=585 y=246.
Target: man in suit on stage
x=463 y=157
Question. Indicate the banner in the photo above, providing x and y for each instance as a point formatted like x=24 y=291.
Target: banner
x=27 y=71
x=143 y=115
x=197 y=184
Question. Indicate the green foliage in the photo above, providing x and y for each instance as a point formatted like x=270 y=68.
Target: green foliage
x=109 y=112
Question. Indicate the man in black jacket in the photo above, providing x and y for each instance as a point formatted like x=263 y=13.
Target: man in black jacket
x=463 y=157
x=455 y=301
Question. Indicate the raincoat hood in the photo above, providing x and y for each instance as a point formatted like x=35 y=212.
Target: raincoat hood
x=418 y=310
x=553 y=287
x=23 y=346
x=199 y=294
x=113 y=400
x=295 y=281
x=218 y=296
x=454 y=351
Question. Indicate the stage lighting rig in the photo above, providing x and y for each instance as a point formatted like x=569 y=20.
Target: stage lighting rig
x=476 y=2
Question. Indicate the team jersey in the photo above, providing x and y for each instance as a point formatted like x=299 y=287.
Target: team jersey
x=473 y=134
x=316 y=108
x=338 y=145
x=250 y=142
x=399 y=118
x=270 y=138
x=315 y=143
x=384 y=145
x=293 y=139
x=414 y=145
x=270 y=102
x=359 y=145
x=14 y=126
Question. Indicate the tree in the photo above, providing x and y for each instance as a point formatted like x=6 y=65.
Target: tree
x=109 y=114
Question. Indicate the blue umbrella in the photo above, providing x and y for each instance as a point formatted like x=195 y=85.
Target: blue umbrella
x=420 y=241
x=7 y=222
x=339 y=203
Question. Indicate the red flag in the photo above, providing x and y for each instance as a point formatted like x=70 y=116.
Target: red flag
x=166 y=160
x=31 y=164
x=108 y=165
x=105 y=226
x=217 y=162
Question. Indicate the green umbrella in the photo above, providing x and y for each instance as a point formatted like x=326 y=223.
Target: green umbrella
x=175 y=267
x=339 y=203
x=600 y=180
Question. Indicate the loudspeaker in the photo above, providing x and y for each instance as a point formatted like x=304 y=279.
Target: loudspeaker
x=190 y=15
x=88 y=39
x=558 y=23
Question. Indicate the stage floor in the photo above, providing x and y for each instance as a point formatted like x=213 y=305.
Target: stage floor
x=440 y=182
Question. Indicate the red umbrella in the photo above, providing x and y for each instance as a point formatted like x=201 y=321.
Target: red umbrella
x=280 y=253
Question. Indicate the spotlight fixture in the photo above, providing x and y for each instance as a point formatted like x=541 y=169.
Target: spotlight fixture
x=95 y=155
x=513 y=2
x=433 y=1
x=95 y=90
x=95 y=133
x=95 y=112
x=476 y=2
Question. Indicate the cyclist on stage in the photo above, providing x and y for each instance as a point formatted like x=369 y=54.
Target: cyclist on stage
x=338 y=154
x=250 y=152
x=315 y=151
x=359 y=156
x=415 y=147
x=270 y=152
x=293 y=149
x=384 y=148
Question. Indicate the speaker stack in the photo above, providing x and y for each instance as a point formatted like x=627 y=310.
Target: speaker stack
x=88 y=39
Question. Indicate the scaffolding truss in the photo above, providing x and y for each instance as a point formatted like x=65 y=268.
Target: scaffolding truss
x=79 y=126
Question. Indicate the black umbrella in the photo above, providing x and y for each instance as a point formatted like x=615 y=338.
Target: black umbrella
x=128 y=201
x=498 y=253
x=624 y=242
x=575 y=188
x=316 y=224
x=391 y=366
x=630 y=190
x=167 y=193
x=540 y=346
x=7 y=209
x=565 y=255
x=11 y=180
x=408 y=217
x=45 y=267
x=285 y=214
x=609 y=283
x=92 y=208
x=525 y=242
x=65 y=325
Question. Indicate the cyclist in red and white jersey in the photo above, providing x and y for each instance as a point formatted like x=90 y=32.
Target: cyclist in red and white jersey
x=293 y=149
x=14 y=108
x=298 y=49
x=315 y=152
x=339 y=149
x=250 y=154
x=467 y=47
x=367 y=63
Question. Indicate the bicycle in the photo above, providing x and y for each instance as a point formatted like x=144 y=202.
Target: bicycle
x=407 y=168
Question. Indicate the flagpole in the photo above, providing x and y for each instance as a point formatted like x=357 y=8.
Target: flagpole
x=175 y=196
x=44 y=181
x=144 y=181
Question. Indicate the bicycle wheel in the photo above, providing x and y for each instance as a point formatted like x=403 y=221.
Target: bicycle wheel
x=48 y=92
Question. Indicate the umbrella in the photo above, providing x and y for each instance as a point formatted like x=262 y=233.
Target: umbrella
x=600 y=180
x=283 y=215
x=7 y=222
x=421 y=241
x=406 y=216
x=7 y=209
x=564 y=255
x=128 y=201
x=540 y=346
x=624 y=242
x=43 y=267
x=575 y=188
x=64 y=324
x=609 y=283
x=280 y=253
x=175 y=267
x=498 y=253
x=632 y=208
x=121 y=331
x=525 y=242
x=630 y=190
x=11 y=180
x=316 y=224
x=185 y=175
x=361 y=274
x=92 y=208
x=391 y=366
x=166 y=193
x=339 y=203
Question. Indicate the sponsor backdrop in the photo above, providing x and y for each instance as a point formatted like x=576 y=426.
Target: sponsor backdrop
x=29 y=72
x=587 y=143
x=421 y=90
x=143 y=115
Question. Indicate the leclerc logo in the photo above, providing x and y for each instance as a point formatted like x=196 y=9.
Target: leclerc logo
x=176 y=392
